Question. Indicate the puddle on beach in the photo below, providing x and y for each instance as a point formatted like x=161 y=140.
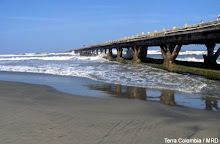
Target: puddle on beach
x=168 y=97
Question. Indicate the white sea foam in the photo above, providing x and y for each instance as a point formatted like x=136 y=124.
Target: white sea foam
x=187 y=52
x=92 y=58
x=192 y=59
x=140 y=76
x=154 y=52
x=100 y=69
x=36 y=54
x=37 y=58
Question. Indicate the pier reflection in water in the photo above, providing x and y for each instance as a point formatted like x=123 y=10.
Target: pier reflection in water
x=168 y=97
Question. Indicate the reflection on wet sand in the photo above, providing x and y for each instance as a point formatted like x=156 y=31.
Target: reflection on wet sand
x=120 y=91
x=167 y=97
x=164 y=96
x=211 y=104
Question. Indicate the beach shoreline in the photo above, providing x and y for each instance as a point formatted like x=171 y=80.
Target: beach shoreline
x=90 y=88
x=33 y=113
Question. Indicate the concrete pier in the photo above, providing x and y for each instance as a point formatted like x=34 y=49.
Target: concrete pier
x=169 y=41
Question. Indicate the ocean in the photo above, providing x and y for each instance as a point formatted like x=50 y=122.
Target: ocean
x=115 y=74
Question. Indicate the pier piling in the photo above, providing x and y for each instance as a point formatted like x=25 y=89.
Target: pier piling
x=169 y=52
x=211 y=57
x=136 y=51
x=119 y=53
x=109 y=55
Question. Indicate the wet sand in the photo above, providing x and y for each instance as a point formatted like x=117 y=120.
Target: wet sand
x=40 y=114
x=90 y=88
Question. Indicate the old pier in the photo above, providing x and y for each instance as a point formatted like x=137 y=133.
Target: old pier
x=170 y=42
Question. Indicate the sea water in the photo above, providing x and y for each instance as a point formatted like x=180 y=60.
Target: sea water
x=99 y=69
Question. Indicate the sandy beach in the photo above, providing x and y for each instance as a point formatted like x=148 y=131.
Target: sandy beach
x=40 y=114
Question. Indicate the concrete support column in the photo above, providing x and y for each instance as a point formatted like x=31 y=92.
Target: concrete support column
x=105 y=51
x=119 y=52
x=170 y=52
x=109 y=52
x=211 y=57
x=136 y=51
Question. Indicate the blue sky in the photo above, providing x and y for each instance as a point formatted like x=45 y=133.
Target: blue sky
x=61 y=25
